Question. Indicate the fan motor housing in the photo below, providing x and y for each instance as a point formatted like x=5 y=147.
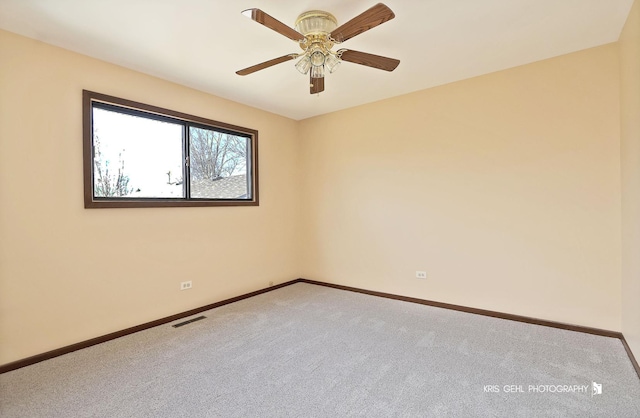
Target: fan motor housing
x=316 y=25
x=316 y=22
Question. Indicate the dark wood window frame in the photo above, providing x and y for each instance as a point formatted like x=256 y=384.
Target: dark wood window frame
x=154 y=112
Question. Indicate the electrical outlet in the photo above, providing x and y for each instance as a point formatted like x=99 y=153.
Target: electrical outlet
x=186 y=285
x=421 y=274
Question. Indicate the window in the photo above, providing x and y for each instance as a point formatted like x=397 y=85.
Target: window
x=137 y=155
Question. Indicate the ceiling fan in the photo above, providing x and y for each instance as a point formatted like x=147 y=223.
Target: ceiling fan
x=317 y=32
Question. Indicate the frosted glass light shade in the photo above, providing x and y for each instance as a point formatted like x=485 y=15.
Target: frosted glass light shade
x=317 y=71
x=331 y=62
x=317 y=58
x=303 y=65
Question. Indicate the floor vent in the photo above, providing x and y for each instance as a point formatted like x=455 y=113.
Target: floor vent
x=188 y=322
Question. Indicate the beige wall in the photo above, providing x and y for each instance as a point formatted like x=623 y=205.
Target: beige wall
x=630 y=144
x=68 y=274
x=505 y=188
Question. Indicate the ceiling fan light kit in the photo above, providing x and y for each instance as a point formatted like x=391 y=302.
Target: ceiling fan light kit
x=317 y=32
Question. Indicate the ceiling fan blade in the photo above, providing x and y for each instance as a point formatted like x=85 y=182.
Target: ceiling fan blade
x=371 y=18
x=316 y=85
x=273 y=24
x=266 y=64
x=370 y=60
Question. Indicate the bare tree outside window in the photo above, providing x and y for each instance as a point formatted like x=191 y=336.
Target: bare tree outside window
x=214 y=155
x=218 y=164
x=109 y=183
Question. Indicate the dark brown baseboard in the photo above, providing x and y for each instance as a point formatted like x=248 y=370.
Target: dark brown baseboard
x=501 y=315
x=494 y=314
x=112 y=336
x=88 y=343
x=630 y=354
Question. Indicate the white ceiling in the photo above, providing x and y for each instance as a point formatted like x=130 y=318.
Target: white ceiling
x=201 y=43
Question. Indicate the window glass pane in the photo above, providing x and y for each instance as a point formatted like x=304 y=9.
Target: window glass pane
x=136 y=157
x=218 y=165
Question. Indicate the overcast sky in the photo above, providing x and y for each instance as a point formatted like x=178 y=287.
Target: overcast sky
x=149 y=149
